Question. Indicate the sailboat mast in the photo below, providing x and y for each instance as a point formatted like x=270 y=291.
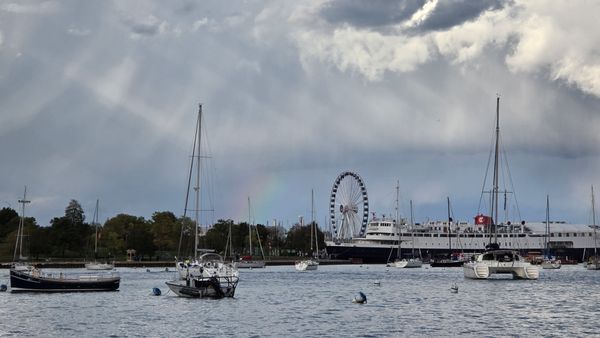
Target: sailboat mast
x=95 y=220
x=449 y=227
x=19 y=244
x=397 y=216
x=496 y=163
x=412 y=229
x=594 y=225
x=547 y=223
x=312 y=219
x=197 y=188
x=249 y=226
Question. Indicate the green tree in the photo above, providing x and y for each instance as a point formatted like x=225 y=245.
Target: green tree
x=9 y=221
x=124 y=232
x=298 y=239
x=70 y=238
x=165 y=228
x=74 y=212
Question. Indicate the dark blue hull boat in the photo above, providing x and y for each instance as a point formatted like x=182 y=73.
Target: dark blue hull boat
x=35 y=281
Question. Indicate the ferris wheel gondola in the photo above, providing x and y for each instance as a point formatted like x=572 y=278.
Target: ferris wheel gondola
x=349 y=206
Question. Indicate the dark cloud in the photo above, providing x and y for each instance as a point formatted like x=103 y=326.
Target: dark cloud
x=145 y=28
x=451 y=13
x=380 y=13
x=377 y=13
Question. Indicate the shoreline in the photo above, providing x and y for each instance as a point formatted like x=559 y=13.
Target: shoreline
x=162 y=264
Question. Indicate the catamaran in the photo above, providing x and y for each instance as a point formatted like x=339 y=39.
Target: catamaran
x=494 y=260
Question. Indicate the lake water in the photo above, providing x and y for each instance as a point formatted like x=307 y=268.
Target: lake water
x=279 y=301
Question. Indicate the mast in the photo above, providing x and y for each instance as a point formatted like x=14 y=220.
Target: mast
x=547 y=224
x=398 y=218
x=594 y=224
x=449 y=227
x=412 y=229
x=495 y=181
x=313 y=231
x=95 y=221
x=197 y=188
x=19 y=244
x=249 y=226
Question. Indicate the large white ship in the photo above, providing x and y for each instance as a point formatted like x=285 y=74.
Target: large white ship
x=380 y=242
x=376 y=240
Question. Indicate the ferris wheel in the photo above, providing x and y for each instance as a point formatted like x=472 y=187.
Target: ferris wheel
x=349 y=206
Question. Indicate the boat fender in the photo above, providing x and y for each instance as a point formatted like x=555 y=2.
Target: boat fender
x=360 y=298
x=3 y=287
x=156 y=291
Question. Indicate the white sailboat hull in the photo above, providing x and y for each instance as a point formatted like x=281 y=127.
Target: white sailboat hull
x=408 y=263
x=249 y=264
x=551 y=264
x=99 y=266
x=307 y=265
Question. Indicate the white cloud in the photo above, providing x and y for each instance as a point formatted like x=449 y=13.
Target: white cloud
x=540 y=34
x=369 y=53
x=28 y=7
x=78 y=31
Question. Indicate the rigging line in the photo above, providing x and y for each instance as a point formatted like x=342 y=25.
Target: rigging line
x=209 y=172
x=187 y=193
x=514 y=192
x=487 y=169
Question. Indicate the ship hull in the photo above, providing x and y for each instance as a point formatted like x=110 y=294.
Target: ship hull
x=377 y=254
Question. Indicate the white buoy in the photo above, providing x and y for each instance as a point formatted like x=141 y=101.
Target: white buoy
x=377 y=282
x=360 y=298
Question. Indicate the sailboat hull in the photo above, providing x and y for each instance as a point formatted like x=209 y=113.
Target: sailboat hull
x=249 y=264
x=205 y=287
x=35 y=282
x=99 y=266
x=306 y=265
x=500 y=262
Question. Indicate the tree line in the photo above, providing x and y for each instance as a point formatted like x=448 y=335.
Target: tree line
x=162 y=237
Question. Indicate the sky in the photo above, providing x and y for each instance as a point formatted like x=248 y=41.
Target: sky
x=99 y=100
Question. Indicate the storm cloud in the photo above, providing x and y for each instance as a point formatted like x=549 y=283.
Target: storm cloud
x=99 y=100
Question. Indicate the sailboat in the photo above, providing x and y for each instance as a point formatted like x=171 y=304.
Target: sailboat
x=400 y=262
x=95 y=265
x=412 y=262
x=208 y=275
x=454 y=259
x=494 y=260
x=593 y=262
x=549 y=262
x=311 y=263
x=27 y=278
x=247 y=262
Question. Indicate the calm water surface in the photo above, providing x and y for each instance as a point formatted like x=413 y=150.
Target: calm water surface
x=279 y=301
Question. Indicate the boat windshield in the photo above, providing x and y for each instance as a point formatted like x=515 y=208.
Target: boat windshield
x=211 y=257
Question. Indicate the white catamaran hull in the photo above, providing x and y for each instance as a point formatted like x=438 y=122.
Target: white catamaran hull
x=500 y=262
